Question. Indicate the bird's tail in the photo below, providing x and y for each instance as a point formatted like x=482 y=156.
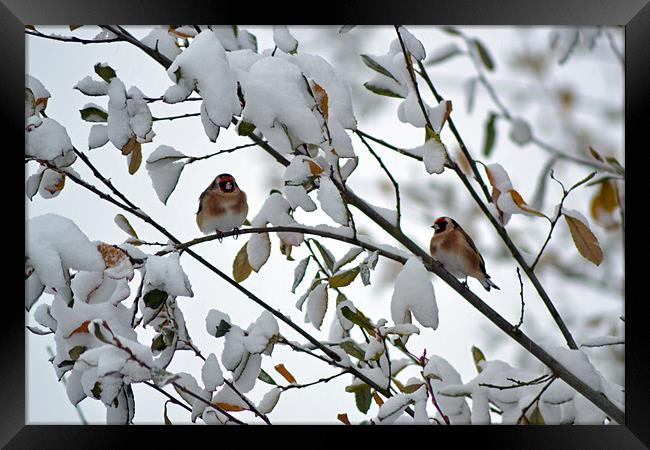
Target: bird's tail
x=487 y=283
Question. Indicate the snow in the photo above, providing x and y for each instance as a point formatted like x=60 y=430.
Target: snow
x=246 y=373
x=413 y=294
x=51 y=184
x=393 y=408
x=98 y=136
x=234 y=38
x=46 y=139
x=37 y=88
x=211 y=373
x=577 y=362
x=210 y=128
x=374 y=350
x=389 y=215
x=520 y=131
x=165 y=169
x=269 y=400
x=119 y=129
x=455 y=408
x=213 y=319
x=233 y=348
x=276 y=211
x=317 y=305
x=410 y=111
x=162 y=40
x=43 y=317
x=91 y=87
x=278 y=103
x=258 y=250
x=331 y=201
x=55 y=244
x=284 y=40
x=203 y=65
x=338 y=90
x=261 y=333
x=412 y=44
x=165 y=273
x=140 y=119
x=434 y=155
x=499 y=177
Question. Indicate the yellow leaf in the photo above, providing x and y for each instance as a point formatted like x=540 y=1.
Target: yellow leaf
x=584 y=240
x=285 y=373
x=343 y=418
x=129 y=146
x=58 y=186
x=321 y=99
x=241 y=268
x=136 y=158
x=314 y=168
x=478 y=356
x=377 y=398
x=344 y=278
x=605 y=200
x=409 y=389
x=519 y=201
x=229 y=407
x=30 y=27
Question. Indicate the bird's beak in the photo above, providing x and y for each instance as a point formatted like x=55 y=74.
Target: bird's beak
x=435 y=227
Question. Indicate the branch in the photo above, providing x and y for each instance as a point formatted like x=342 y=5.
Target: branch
x=322 y=380
x=390 y=176
x=70 y=38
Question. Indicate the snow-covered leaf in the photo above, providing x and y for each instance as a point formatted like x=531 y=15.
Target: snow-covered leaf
x=299 y=273
x=284 y=40
x=413 y=294
x=317 y=305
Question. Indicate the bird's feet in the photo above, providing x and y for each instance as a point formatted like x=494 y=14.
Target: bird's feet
x=219 y=235
x=464 y=283
x=235 y=235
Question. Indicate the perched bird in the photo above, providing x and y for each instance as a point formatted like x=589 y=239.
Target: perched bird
x=454 y=249
x=222 y=206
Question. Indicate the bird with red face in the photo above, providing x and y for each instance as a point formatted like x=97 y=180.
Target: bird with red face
x=222 y=206
x=455 y=250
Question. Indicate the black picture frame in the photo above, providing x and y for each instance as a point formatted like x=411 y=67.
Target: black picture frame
x=633 y=14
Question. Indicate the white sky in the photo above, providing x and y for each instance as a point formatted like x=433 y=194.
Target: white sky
x=59 y=66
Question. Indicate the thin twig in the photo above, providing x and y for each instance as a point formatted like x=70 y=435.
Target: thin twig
x=390 y=176
x=536 y=399
x=322 y=380
x=70 y=38
x=521 y=295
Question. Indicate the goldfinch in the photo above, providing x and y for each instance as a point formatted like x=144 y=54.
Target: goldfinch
x=222 y=206
x=454 y=249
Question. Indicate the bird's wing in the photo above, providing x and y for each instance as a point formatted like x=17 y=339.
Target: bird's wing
x=470 y=242
x=203 y=194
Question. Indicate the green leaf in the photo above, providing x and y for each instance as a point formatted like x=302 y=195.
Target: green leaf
x=93 y=114
x=76 y=351
x=97 y=390
x=358 y=318
x=158 y=343
x=483 y=53
x=381 y=90
x=98 y=333
x=351 y=348
x=265 y=377
x=245 y=128
x=155 y=298
x=374 y=65
x=490 y=134
x=342 y=279
x=328 y=257
x=583 y=181
x=348 y=257
x=125 y=226
x=299 y=273
x=451 y=30
x=478 y=356
x=222 y=328
x=178 y=75
x=105 y=71
x=363 y=398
